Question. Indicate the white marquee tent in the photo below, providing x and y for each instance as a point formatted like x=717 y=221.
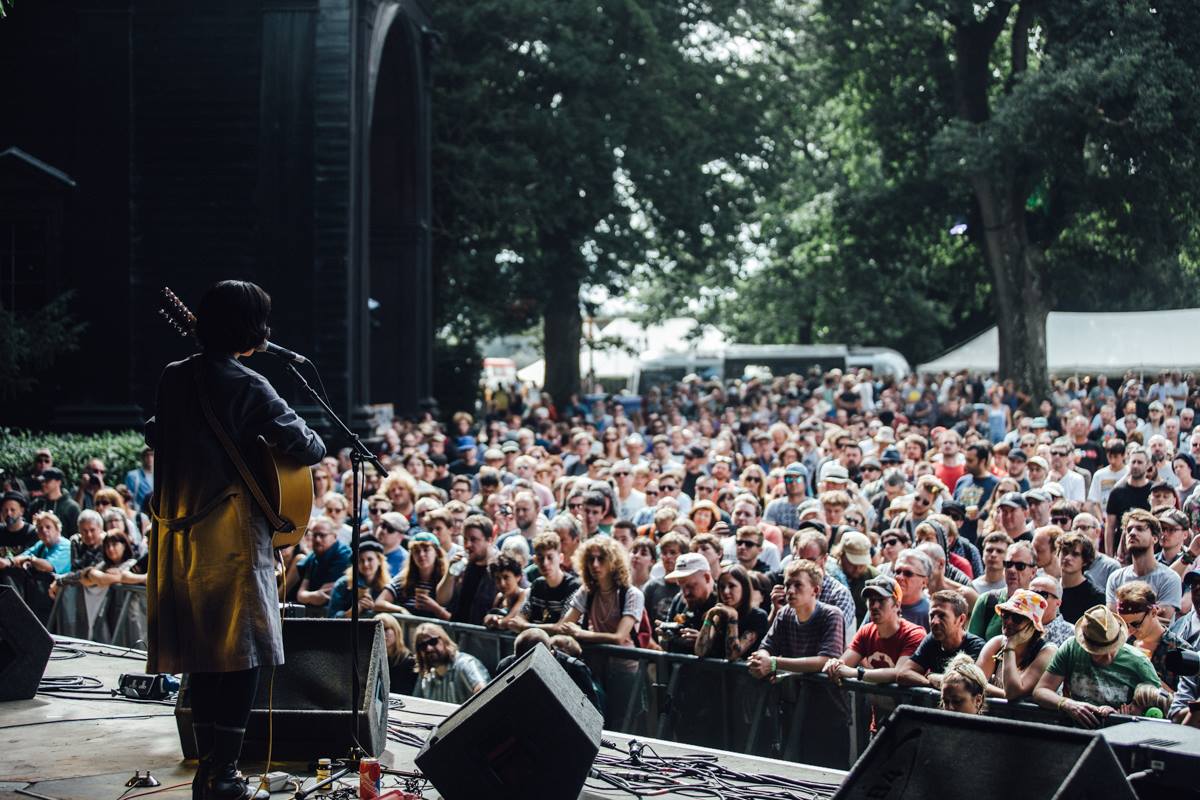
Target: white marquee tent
x=1110 y=343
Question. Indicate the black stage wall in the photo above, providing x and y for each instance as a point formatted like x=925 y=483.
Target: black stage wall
x=153 y=142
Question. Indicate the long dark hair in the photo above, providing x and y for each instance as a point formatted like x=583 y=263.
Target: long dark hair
x=739 y=574
x=232 y=317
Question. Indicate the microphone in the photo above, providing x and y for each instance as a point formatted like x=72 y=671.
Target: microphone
x=283 y=353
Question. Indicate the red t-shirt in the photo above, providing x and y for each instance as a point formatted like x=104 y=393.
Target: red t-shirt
x=962 y=564
x=950 y=475
x=880 y=653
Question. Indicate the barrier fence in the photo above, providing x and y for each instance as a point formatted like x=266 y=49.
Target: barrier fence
x=716 y=703
x=700 y=701
x=116 y=615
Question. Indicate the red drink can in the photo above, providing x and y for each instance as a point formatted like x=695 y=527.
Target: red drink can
x=369 y=778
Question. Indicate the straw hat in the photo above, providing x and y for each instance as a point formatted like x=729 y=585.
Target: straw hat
x=1030 y=605
x=1100 y=632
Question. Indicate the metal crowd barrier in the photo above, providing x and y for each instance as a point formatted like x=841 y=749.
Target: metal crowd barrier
x=717 y=703
x=120 y=618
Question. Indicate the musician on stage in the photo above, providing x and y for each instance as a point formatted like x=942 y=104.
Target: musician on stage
x=211 y=594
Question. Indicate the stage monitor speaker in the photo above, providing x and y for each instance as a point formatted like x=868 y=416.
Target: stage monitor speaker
x=1167 y=755
x=923 y=753
x=529 y=733
x=311 y=703
x=25 y=647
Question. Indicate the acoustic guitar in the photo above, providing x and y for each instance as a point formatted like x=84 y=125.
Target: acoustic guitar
x=286 y=484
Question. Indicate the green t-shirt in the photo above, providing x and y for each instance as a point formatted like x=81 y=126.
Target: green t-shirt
x=985 y=622
x=1110 y=685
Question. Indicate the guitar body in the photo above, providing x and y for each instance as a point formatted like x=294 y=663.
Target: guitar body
x=288 y=486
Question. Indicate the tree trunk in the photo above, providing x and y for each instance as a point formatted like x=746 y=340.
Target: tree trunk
x=562 y=329
x=1020 y=297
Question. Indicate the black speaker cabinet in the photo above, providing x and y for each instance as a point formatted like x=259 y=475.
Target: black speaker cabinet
x=923 y=753
x=25 y=647
x=311 y=701
x=529 y=733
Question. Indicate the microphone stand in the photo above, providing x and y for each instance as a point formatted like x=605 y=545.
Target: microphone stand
x=360 y=454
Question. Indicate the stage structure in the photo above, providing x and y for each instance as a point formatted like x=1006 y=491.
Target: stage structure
x=281 y=141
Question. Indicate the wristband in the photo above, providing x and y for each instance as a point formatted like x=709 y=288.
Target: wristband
x=774 y=665
x=708 y=623
x=1062 y=704
x=1187 y=557
x=861 y=672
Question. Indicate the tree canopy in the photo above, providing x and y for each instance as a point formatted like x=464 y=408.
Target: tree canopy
x=873 y=171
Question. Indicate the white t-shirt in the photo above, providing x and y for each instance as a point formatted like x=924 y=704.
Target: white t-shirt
x=1103 y=482
x=1163 y=580
x=1072 y=485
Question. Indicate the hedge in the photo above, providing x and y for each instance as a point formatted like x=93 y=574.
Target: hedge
x=120 y=452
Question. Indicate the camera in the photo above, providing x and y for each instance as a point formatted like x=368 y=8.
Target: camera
x=1183 y=662
x=668 y=631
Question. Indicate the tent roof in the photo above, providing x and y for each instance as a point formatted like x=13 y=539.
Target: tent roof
x=1108 y=342
x=671 y=336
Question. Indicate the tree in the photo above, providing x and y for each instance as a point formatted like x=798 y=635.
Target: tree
x=581 y=144
x=1074 y=128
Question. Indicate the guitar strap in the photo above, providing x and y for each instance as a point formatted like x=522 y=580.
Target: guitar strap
x=276 y=522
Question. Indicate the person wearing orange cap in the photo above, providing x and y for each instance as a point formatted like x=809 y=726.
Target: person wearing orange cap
x=1015 y=660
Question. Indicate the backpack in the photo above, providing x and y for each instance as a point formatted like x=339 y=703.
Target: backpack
x=643 y=632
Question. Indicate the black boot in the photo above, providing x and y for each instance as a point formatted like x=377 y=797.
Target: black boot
x=226 y=783
x=224 y=780
x=204 y=750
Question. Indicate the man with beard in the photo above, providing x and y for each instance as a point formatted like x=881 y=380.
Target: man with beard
x=1133 y=492
x=1142 y=529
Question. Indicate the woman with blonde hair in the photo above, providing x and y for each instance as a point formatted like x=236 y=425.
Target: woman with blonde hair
x=373 y=579
x=607 y=608
x=754 y=481
x=964 y=686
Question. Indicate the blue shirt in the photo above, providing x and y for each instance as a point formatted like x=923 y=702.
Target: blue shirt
x=141 y=484
x=395 y=561
x=59 y=555
x=327 y=567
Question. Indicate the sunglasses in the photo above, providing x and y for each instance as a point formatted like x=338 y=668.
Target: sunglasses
x=651 y=493
x=622 y=474
x=668 y=487
x=1047 y=595
x=905 y=572
x=752 y=479
x=893 y=542
x=790 y=478
x=428 y=644
x=378 y=510
x=747 y=543
x=1019 y=566
x=1060 y=520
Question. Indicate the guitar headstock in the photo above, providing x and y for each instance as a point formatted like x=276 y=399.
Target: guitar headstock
x=177 y=315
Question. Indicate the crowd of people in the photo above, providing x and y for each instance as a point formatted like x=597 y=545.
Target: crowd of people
x=934 y=531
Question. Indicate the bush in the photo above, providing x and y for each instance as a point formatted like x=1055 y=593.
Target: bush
x=120 y=452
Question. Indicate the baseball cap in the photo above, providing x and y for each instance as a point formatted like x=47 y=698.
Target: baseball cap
x=1039 y=461
x=696 y=451
x=890 y=455
x=856 y=548
x=1014 y=500
x=1190 y=577
x=424 y=537
x=883 y=586
x=952 y=507
x=53 y=474
x=1039 y=423
x=465 y=442
x=370 y=543
x=1018 y=454
x=20 y=498
x=870 y=462
x=687 y=565
x=796 y=469
x=510 y=447
x=1054 y=489
x=1036 y=496
x=834 y=472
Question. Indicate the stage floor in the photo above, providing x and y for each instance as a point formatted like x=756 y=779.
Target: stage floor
x=86 y=749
